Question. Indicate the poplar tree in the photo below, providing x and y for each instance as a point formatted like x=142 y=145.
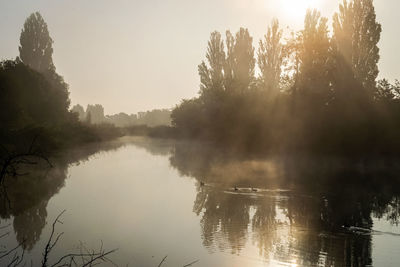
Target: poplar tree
x=36 y=51
x=211 y=74
x=270 y=57
x=240 y=61
x=244 y=60
x=356 y=37
x=314 y=56
x=36 y=45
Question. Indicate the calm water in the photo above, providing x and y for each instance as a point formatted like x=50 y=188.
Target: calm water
x=153 y=198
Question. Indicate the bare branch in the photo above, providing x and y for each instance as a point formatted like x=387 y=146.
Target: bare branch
x=162 y=261
x=190 y=264
x=95 y=257
x=6 y=234
x=49 y=246
x=11 y=251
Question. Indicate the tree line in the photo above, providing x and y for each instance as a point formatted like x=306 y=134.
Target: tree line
x=36 y=105
x=34 y=98
x=95 y=114
x=314 y=90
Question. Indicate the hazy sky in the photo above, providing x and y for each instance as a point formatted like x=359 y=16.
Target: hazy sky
x=136 y=55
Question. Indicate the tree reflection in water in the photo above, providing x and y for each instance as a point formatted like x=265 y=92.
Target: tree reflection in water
x=305 y=210
x=311 y=210
x=27 y=196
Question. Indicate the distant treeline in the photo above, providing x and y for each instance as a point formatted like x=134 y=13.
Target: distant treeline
x=313 y=91
x=95 y=114
x=35 y=102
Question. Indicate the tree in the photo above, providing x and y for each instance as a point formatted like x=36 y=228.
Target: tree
x=229 y=61
x=88 y=117
x=211 y=75
x=78 y=109
x=36 y=51
x=36 y=45
x=270 y=57
x=356 y=37
x=27 y=98
x=188 y=117
x=387 y=91
x=314 y=56
x=240 y=61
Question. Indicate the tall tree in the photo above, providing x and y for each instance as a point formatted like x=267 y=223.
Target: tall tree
x=211 y=75
x=314 y=56
x=270 y=57
x=36 y=45
x=229 y=61
x=36 y=51
x=343 y=27
x=240 y=61
x=356 y=37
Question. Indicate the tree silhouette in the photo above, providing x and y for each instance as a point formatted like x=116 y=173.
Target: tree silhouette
x=270 y=57
x=36 y=45
x=326 y=98
x=356 y=37
x=211 y=77
x=36 y=51
x=240 y=60
x=314 y=57
x=28 y=98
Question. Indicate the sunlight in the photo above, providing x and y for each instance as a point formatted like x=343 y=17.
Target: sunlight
x=297 y=8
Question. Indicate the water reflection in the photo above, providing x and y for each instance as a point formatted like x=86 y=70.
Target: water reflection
x=292 y=210
x=26 y=197
x=306 y=211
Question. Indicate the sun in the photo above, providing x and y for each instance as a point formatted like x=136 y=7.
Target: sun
x=297 y=8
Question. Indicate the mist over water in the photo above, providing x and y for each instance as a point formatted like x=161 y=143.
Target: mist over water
x=151 y=198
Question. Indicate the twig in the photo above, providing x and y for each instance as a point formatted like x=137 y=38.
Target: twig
x=190 y=264
x=99 y=257
x=49 y=246
x=10 y=251
x=162 y=261
x=95 y=255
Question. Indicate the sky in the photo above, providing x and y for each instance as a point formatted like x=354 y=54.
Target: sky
x=138 y=55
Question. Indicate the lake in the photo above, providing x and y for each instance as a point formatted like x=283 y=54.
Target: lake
x=193 y=202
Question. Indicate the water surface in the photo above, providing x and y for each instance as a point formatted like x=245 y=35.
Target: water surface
x=151 y=198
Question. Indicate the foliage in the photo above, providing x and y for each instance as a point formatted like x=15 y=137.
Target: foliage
x=356 y=37
x=314 y=92
x=36 y=49
x=270 y=57
x=27 y=98
x=35 y=99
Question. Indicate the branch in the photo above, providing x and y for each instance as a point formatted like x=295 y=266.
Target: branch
x=12 y=250
x=49 y=246
x=190 y=264
x=96 y=256
x=162 y=261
